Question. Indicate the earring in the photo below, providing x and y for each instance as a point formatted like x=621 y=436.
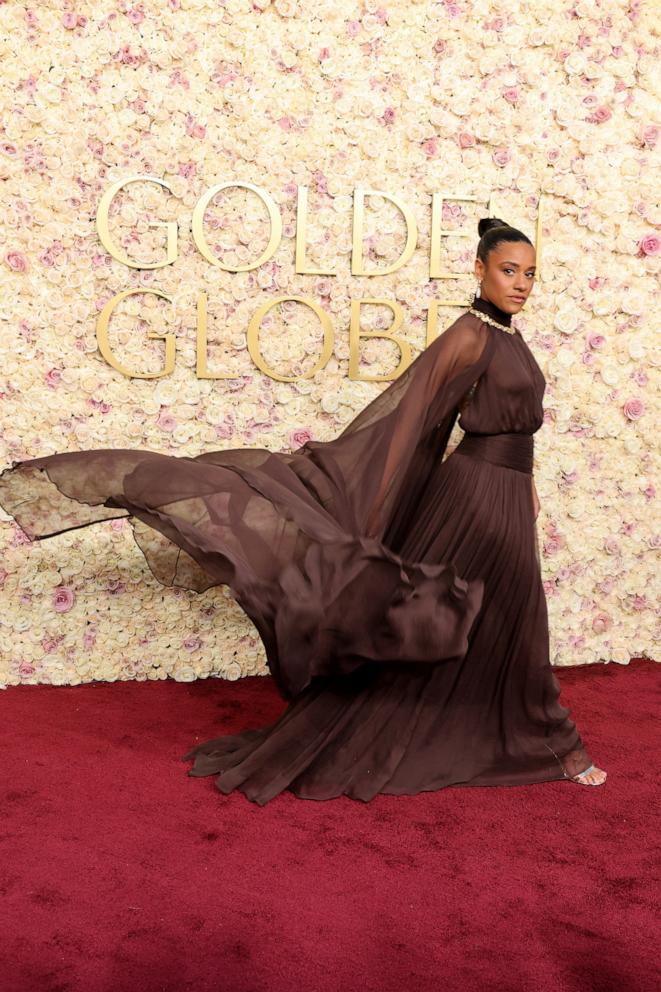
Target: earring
x=478 y=291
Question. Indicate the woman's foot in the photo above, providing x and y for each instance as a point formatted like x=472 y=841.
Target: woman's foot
x=590 y=776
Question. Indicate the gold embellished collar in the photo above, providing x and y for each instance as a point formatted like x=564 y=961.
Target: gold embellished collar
x=490 y=320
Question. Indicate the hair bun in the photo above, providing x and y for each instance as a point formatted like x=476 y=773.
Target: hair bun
x=486 y=223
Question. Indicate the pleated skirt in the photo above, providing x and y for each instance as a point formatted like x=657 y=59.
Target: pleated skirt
x=493 y=717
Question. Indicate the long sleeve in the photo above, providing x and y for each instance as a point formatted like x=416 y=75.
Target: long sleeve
x=286 y=531
x=431 y=392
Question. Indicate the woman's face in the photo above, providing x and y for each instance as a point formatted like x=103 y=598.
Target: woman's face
x=508 y=277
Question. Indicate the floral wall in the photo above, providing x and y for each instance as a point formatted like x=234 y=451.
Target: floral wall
x=547 y=113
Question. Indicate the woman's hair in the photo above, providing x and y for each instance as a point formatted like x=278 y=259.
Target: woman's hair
x=493 y=231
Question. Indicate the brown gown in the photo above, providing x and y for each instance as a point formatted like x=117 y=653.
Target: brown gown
x=398 y=594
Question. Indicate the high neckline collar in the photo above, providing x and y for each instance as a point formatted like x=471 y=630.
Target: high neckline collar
x=486 y=306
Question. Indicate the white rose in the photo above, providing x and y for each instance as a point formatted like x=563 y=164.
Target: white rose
x=566 y=320
x=329 y=402
x=610 y=374
x=232 y=671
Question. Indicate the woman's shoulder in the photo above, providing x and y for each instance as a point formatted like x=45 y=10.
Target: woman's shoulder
x=468 y=326
x=467 y=331
x=463 y=341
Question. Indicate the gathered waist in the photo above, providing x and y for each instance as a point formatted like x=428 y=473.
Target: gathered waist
x=508 y=449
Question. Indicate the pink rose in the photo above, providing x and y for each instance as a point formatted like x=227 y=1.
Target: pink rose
x=324 y=53
x=17 y=261
x=511 y=94
x=192 y=644
x=25 y=668
x=237 y=383
x=634 y=409
x=69 y=20
x=501 y=157
x=53 y=378
x=136 y=15
x=49 y=644
x=63 y=599
x=601 y=114
x=596 y=341
x=389 y=115
x=166 y=421
x=321 y=182
x=299 y=437
x=430 y=147
x=650 y=244
x=199 y=131
x=465 y=139
x=601 y=623
x=353 y=28
x=650 y=135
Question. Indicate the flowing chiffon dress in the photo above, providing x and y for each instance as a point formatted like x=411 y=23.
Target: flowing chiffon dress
x=398 y=593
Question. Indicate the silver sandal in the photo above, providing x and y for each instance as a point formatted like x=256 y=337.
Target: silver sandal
x=585 y=771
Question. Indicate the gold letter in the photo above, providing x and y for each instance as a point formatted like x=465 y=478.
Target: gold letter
x=253 y=337
x=198 y=226
x=104 y=345
x=357 y=268
x=104 y=231
x=355 y=334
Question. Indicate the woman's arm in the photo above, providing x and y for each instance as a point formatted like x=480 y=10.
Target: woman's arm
x=435 y=382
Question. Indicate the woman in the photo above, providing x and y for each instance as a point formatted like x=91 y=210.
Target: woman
x=398 y=594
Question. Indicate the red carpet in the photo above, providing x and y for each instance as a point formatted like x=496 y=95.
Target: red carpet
x=122 y=874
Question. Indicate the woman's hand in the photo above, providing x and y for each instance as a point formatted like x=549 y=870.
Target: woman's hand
x=535 y=498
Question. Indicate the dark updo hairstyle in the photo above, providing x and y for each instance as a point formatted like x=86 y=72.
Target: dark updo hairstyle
x=493 y=231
